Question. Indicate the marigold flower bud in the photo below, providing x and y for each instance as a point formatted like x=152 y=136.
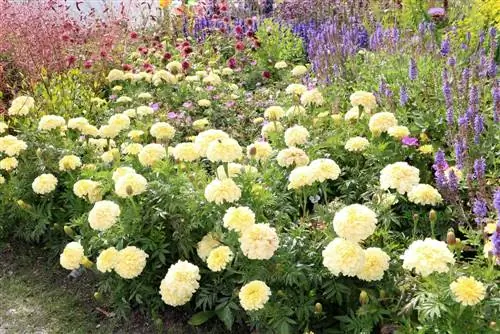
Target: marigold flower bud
x=450 y=237
x=363 y=297
x=433 y=216
x=318 y=308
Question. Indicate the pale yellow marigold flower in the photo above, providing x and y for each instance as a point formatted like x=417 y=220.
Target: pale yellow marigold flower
x=365 y=99
x=212 y=79
x=103 y=215
x=381 y=122
x=110 y=156
x=426 y=149
x=428 y=256
x=295 y=111
x=490 y=228
x=44 y=184
x=312 y=97
x=206 y=245
x=205 y=138
x=355 y=222
x=260 y=151
x=376 y=263
x=400 y=176
x=144 y=111
x=69 y=162
x=220 y=191
x=300 y=177
x=324 y=169
x=200 y=124
x=259 y=242
x=357 y=144
x=145 y=96
x=90 y=130
x=12 y=146
x=131 y=113
x=296 y=135
x=219 y=258
x=124 y=99
x=21 y=106
x=343 y=257
x=299 y=71
x=131 y=184
x=227 y=71
x=119 y=121
x=72 y=256
x=274 y=113
x=174 y=67
x=258 y=120
x=78 y=123
x=292 y=156
x=180 y=283
x=224 y=150
x=353 y=114
x=271 y=127
x=135 y=134
x=398 y=131
x=162 y=130
x=132 y=149
x=8 y=164
x=204 y=103
x=89 y=189
x=115 y=75
x=109 y=131
x=280 y=65
x=3 y=127
x=186 y=152
x=151 y=153
x=424 y=194
x=468 y=291
x=50 y=122
x=106 y=261
x=254 y=295
x=239 y=218
x=130 y=262
x=122 y=171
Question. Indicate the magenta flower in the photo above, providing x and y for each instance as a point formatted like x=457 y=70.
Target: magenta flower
x=172 y=115
x=409 y=141
x=436 y=12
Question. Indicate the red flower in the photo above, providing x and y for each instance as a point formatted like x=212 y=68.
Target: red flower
x=167 y=56
x=87 y=64
x=266 y=75
x=185 y=65
x=103 y=54
x=238 y=30
x=126 y=67
x=134 y=35
x=231 y=63
x=187 y=50
x=71 y=60
x=240 y=46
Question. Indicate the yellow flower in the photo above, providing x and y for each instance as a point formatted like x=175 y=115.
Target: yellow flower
x=180 y=283
x=162 y=130
x=21 y=106
x=227 y=71
x=224 y=150
x=144 y=111
x=44 y=184
x=90 y=130
x=151 y=153
x=132 y=149
x=300 y=177
x=8 y=164
x=280 y=65
x=115 y=75
x=356 y=144
x=239 y=218
x=468 y=291
x=130 y=262
x=220 y=191
x=271 y=127
x=3 y=127
x=312 y=97
x=145 y=96
x=88 y=188
x=381 y=122
x=106 y=261
x=426 y=149
x=296 y=135
x=398 y=131
x=292 y=156
x=186 y=152
x=204 y=103
x=324 y=169
x=119 y=121
x=69 y=162
x=78 y=123
x=219 y=258
x=400 y=176
x=212 y=79
x=355 y=222
x=200 y=124
x=259 y=242
x=274 y=113
x=2 y=179
x=299 y=71
x=205 y=138
x=260 y=151
x=131 y=113
x=109 y=131
x=135 y=134
x=206 y=245
x=428 y=256
x=343 y=257
x=12 y=146
x=174 y=67
x=352 y=114
x=376 y=263
x=365 y=99
x=71 y=256
x=424 y=194
x=103 y=215
x=254 y=295
x=109 y=156
x=131 y=184
x=490 y=228
x=50 y=122
x=122 y=171
x=294 y=111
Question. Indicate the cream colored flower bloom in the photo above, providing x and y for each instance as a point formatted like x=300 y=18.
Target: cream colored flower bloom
x=86 y=188
x=162 y=130
x=205 y=138
x=300 y=177
x=365 y=99
x=280 y=65
x=398 y=131
x=186 y=152
x=78 y=123
x=428 y=256
x=376 y=263
x=259 y=150
x=292 y=156
x=259 y=242
x=274 y=113
x=200 y=124
x=224 y=150
x=180 y=283
x=124 y=99
x=357 y=144
x=71 y=256
x=204 y=103
x=426 y=149
x=130 y=262
x=355 y=222
x=151 y=153
x=295 y=111
x=144 y=111
x=103 y=215
x=271 y=127
x=212 y=79
x=50 y=122
x=381 y=122
x=8 y=164
x=324 y=169
x=130 y=184
x=296 y=135
x=145 y=96
x=106 y=261
x=220 y=191
x=119 y=121
x=115 y=75
x=69 y=162
x=12 y=146
x=21 y=106
x=44 y=184
x=219 y=258
x=3 y=127
x=299 y=71
x=424 y=194
x=254 y=295
x=109 y=131
x=312 y=97
x=206 y=245
x=343 y=257
x=468 y=291
x=239 y=218
x=132 y=149
x=399 y=176
x=174 y=67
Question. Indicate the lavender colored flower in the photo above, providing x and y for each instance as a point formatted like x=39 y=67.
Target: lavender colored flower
x=113 y=97
x=495 y=240
x=464 y=80
x=479 y=209
x=172 y=115
x=491 y=71
x=187 y=104
x=403 y=96
x=460 y=148
x=230 y=104
x=473 y=97
x=436 y=12
x=413 y=71
x=155 y=106
x=481 y=37
x=452 y=61
x=496 y=201
x=478 y=127
x=495 y=92
x=440 y=163
x=445 y=47
x=452 y=182
x=479 y=168
x=409 y=141
x=447 y=98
